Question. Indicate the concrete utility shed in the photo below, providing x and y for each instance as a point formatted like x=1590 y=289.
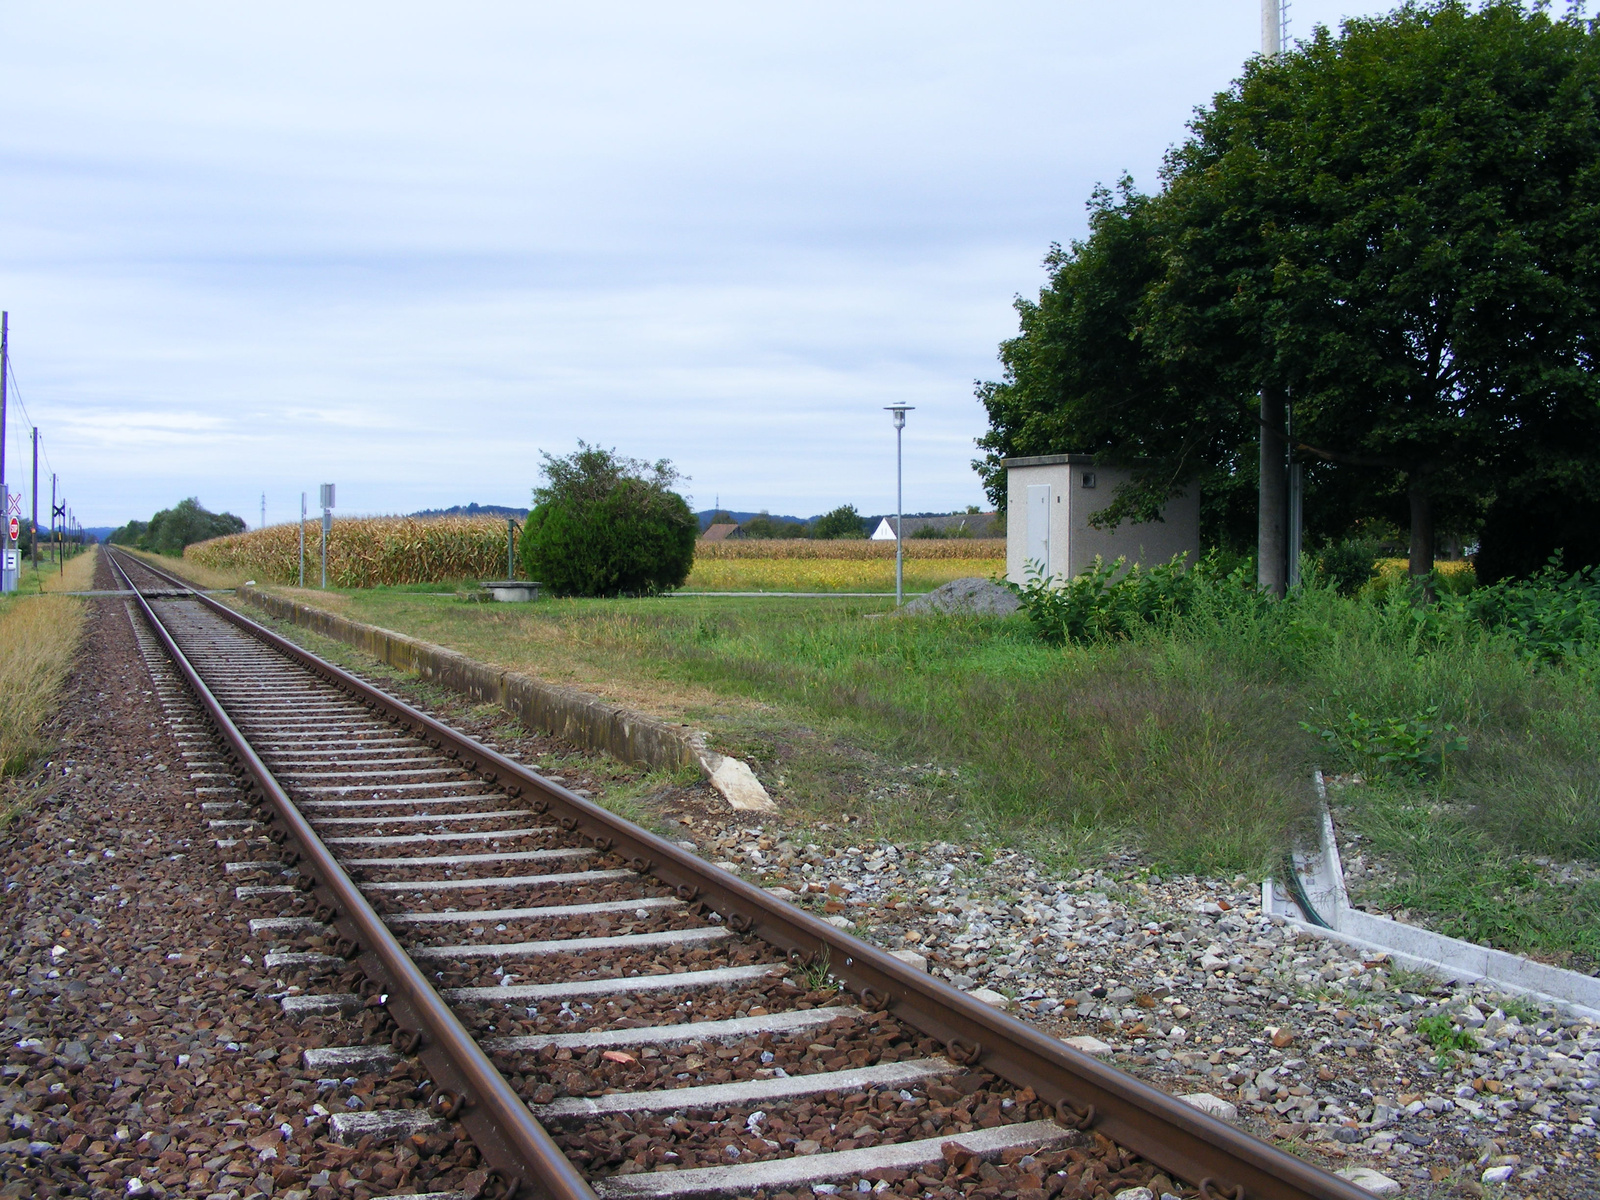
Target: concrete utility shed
x=1050 y=499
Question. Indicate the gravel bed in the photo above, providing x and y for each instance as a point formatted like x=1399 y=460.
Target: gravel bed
x=1184 y=983
x=671 y=1006
x=571 y=966
x=145 y=1053
x=488 y=933
x=531 y=896
x=795 y=1128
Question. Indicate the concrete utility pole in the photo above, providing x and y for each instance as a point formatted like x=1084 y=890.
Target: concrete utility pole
x=8 y=545
x=1272 y=514
x=34 y=539
x=302 y=539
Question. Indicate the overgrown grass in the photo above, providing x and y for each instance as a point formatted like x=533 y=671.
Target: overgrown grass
x=39 y=634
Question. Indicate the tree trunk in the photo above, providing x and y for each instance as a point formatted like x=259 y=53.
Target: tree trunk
x=1272 y=522
x=1422 y=538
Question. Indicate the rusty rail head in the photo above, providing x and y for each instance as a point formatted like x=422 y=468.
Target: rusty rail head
x=1177 y=1137
x=501 y=1125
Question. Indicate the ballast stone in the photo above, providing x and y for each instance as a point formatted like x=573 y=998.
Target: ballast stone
x=1375 y=1182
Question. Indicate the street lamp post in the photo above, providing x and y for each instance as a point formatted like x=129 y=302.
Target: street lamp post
x=899 y=411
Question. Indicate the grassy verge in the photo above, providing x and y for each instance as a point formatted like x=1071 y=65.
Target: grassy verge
x=39 y=634
x=930 y=727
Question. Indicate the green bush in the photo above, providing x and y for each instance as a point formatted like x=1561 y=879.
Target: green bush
x=1347 y=566
x=1107 y=601
x=605 y=525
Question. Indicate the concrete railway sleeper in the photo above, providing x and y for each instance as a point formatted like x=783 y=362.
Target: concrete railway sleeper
x=603 y=1012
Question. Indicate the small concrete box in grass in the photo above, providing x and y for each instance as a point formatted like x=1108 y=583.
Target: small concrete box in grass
x=513 y=589
x=1050 y=499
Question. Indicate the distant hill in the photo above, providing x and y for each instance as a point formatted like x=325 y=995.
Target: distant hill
x=98 y=532
x=742 y=517
x=474 y=510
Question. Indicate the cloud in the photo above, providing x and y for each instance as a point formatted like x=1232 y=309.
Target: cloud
x=407 y=247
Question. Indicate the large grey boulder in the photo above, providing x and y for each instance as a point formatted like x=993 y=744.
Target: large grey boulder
x=971 y=596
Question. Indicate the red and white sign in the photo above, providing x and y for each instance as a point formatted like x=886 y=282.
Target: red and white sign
x=13 y=529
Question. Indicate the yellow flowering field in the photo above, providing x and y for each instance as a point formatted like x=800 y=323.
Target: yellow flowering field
x=832 y=574
x=857 y=549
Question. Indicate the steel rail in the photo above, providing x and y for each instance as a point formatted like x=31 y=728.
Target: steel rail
x=1182 y=1140
x=469 y=1088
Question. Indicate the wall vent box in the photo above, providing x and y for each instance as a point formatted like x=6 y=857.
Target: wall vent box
x=1063 y=545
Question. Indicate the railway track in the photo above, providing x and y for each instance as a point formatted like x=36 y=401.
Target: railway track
x=603 y=1012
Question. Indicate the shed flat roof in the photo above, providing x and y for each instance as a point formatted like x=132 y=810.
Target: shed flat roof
x=1050 y=460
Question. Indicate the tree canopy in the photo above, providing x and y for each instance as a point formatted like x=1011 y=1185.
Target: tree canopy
x=171 y=529
x=842 y=522
x=1396 y=226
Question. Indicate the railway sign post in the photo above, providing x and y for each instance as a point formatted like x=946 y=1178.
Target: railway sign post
x=12 y=562
x=326 y=497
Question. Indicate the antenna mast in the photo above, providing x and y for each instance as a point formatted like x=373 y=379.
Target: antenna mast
x=1274 y=27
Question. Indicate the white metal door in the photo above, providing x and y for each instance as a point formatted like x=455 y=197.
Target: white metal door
x=1036 y=552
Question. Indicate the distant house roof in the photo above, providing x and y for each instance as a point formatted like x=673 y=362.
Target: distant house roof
x=979 y=525
x=718 y=533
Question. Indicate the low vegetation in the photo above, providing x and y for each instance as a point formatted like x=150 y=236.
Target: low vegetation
x=39 y=633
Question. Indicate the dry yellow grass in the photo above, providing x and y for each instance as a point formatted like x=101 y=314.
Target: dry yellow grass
x=194 y=572
x=38 y=637
x=363 y=551
x=849 y=549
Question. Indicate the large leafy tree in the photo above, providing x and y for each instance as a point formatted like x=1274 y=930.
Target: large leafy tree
x=1396 y=226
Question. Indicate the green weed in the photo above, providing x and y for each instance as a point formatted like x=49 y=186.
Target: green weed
x=1441 y=1033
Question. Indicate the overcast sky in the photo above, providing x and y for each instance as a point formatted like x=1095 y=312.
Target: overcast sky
x=407 y=247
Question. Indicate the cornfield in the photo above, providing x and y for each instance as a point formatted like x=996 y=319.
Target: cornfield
x=853 y=548
x=378 y=551
x=365 y=551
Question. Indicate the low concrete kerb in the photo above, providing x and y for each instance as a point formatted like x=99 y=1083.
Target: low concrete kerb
x=1322 y=878
x=581 y=718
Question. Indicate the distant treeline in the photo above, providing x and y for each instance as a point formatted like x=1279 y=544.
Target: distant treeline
x=171 y=529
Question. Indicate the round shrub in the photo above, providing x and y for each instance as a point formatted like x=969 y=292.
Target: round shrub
x=603 y=525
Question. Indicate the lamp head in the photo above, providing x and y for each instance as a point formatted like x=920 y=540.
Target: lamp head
x=899 y=411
